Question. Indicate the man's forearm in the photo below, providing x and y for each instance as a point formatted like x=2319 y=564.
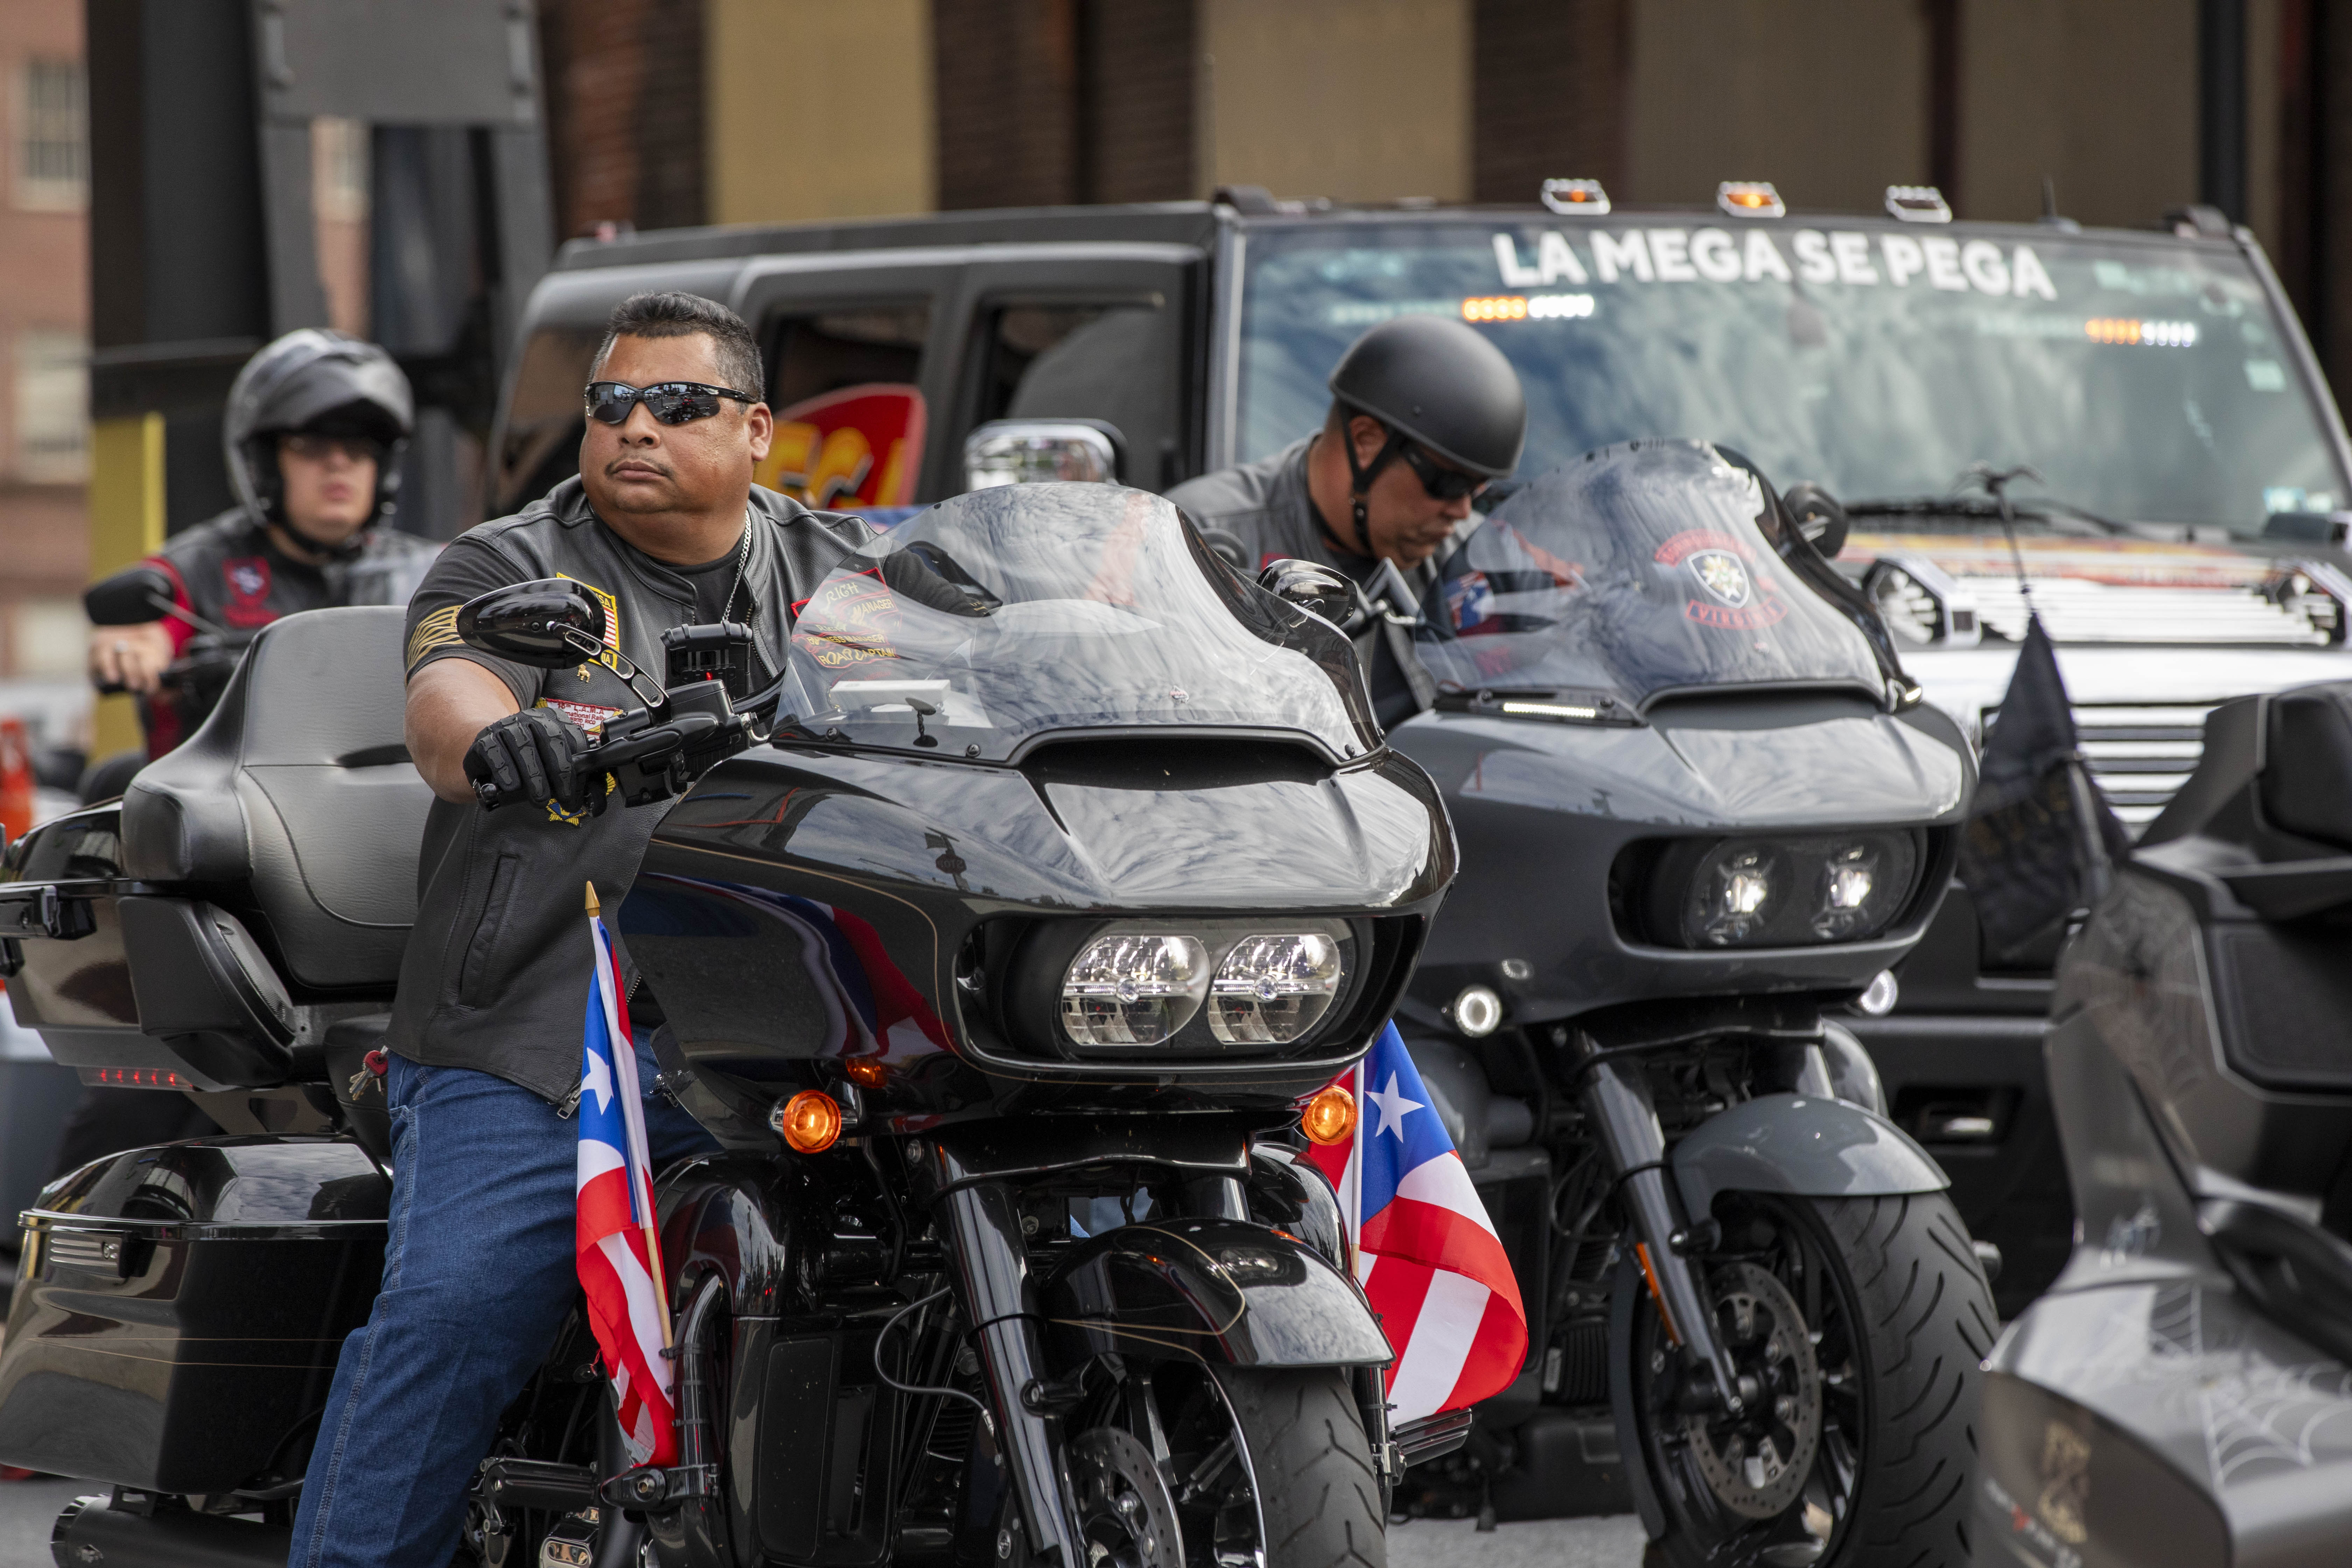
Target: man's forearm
x=449 y=701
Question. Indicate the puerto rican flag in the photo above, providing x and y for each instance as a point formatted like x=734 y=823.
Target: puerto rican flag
x=1425 y=1252
x=619 y=1242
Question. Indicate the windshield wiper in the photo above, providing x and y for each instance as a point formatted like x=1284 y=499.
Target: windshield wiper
x=2043 y=510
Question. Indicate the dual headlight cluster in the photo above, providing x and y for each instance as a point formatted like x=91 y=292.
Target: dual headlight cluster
x=1781 y=893
x=1143 y=988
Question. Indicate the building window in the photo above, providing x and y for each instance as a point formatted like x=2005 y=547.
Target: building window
x=52 y=407
x=53 y=136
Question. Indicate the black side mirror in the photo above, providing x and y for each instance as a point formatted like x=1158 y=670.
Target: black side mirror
x=1819 y=517
x=130 y=598
x=1316 y=589
x=550 y=623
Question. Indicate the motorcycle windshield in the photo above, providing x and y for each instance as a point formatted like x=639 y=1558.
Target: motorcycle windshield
x=1014 y=612
x=1634 y=570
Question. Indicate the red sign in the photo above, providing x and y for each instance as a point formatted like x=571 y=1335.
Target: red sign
x=840 y=451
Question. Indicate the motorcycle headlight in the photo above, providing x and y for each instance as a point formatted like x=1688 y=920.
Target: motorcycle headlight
x=1133 y=989
x=1271 y=989
x=1172 y=989
x=1781 y=893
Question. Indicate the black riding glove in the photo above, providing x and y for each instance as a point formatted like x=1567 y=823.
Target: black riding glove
x=528 y=756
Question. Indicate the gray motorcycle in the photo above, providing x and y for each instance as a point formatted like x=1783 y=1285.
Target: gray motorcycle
x=1701 y=810
x=2180 y=1395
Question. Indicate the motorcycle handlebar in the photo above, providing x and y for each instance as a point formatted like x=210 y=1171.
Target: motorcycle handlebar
x=645 y=762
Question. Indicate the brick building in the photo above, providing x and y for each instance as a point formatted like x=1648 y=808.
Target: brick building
x=44 y=350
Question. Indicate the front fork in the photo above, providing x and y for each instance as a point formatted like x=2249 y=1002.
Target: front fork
x=1616 y=1099
x=983 y=1236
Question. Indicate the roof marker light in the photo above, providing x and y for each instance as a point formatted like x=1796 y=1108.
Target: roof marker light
x=1917 y=204
x=1584 y=196
x=1749 y=198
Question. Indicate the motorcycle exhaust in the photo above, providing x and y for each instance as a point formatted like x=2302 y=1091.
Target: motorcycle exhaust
x=89 y=1534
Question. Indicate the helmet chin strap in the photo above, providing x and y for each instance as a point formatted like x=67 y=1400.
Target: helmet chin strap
x=1362 y=475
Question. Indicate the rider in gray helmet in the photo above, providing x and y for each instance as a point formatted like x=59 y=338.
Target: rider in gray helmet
x=312 y=433
x=1425 y=414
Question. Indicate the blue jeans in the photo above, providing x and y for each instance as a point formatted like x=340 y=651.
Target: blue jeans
x=478 y=1273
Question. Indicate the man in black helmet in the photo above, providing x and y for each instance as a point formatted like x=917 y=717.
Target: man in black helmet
x=313 y=429
x=1424 y=412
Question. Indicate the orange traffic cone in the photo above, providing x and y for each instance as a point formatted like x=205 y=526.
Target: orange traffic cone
x=15 y=779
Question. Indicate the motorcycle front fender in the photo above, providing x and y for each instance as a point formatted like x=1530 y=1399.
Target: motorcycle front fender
x=1801 y=1145
x=1213 y=1290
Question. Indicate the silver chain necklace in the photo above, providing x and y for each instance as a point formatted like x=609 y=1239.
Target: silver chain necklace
x=742 y=564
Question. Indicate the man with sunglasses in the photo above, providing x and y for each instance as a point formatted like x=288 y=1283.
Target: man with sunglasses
x=1425 y=414
x=664 y=525
x=313 y=430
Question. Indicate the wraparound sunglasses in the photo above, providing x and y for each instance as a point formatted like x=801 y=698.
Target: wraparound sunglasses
x=671 y=402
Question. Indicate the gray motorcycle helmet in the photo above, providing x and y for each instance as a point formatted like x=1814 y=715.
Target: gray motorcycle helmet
x=1439 y=384
x=319 y=381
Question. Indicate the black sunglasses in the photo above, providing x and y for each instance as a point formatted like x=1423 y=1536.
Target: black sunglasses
x=1442 y=484
x=671 y=402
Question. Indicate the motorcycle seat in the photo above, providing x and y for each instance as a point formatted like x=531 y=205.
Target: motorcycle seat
x=296 y=801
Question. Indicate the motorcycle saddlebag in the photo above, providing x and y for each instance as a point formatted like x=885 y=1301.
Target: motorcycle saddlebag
x=179 y=1309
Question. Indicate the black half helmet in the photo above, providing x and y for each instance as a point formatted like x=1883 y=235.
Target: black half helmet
x=318 y=381
x=1441 y=385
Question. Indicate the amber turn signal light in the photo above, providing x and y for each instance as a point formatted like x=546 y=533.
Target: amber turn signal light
x=809 y=1122
x=1329 y=1117
x=865 y=1071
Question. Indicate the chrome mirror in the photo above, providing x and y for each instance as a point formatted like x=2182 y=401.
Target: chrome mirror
x=1024 y=451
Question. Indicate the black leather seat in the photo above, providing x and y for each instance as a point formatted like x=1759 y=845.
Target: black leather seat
x=296 y=802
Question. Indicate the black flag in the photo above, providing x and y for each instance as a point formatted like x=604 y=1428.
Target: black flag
x=2040 y=835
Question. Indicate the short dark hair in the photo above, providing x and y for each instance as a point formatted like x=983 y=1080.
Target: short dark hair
x=675 y=315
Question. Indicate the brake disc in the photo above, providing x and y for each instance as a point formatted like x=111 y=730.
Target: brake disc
x=1757 y=1464
x=1123 y=1504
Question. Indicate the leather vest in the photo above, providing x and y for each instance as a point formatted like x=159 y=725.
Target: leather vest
x=495 y=972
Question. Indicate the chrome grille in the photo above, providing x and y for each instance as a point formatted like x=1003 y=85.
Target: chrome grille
x=2076 y=611
x=2140 y=755
x=86 y=1251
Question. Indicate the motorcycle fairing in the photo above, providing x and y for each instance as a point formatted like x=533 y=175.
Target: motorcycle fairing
x=2164 y=1422
x=1219 y=1290
x=1528 y=798
x=1801 y=1145
x=800 y=915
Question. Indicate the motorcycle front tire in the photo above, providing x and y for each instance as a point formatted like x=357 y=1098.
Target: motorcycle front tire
x=1905 y=1320
x=1318 y=1494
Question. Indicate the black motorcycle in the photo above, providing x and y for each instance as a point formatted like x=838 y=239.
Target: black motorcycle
x=2182 y=1394
x=1060 y=864
x=1701 y=811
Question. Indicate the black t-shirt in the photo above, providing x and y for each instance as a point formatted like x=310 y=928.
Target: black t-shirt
x=714 y=585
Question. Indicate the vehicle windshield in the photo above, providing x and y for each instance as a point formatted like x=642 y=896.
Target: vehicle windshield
x=2146 y=380
x=1016 y=612
x=1634 y=570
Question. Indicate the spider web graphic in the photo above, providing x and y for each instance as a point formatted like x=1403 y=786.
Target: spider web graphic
x=2268 y=1414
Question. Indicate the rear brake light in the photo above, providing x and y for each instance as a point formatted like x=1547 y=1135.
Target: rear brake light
x=135 y=1077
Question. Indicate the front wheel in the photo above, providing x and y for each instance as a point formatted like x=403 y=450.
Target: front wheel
x=1857 y=1326
x=1186 y=1466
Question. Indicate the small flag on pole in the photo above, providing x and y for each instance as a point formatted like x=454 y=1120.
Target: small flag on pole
x=1426 y=1254
x=619 y=1240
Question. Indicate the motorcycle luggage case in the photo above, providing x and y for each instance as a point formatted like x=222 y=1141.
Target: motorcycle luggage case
x=179 y=1309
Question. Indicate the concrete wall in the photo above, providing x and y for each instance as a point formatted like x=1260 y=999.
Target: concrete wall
x=1827 y=99
x=1354 y=99
x=2101 y=95
x=818 y=109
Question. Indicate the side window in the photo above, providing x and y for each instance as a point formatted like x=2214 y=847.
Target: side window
x=541 y=446
x=850 y=416
x=1109 y=362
